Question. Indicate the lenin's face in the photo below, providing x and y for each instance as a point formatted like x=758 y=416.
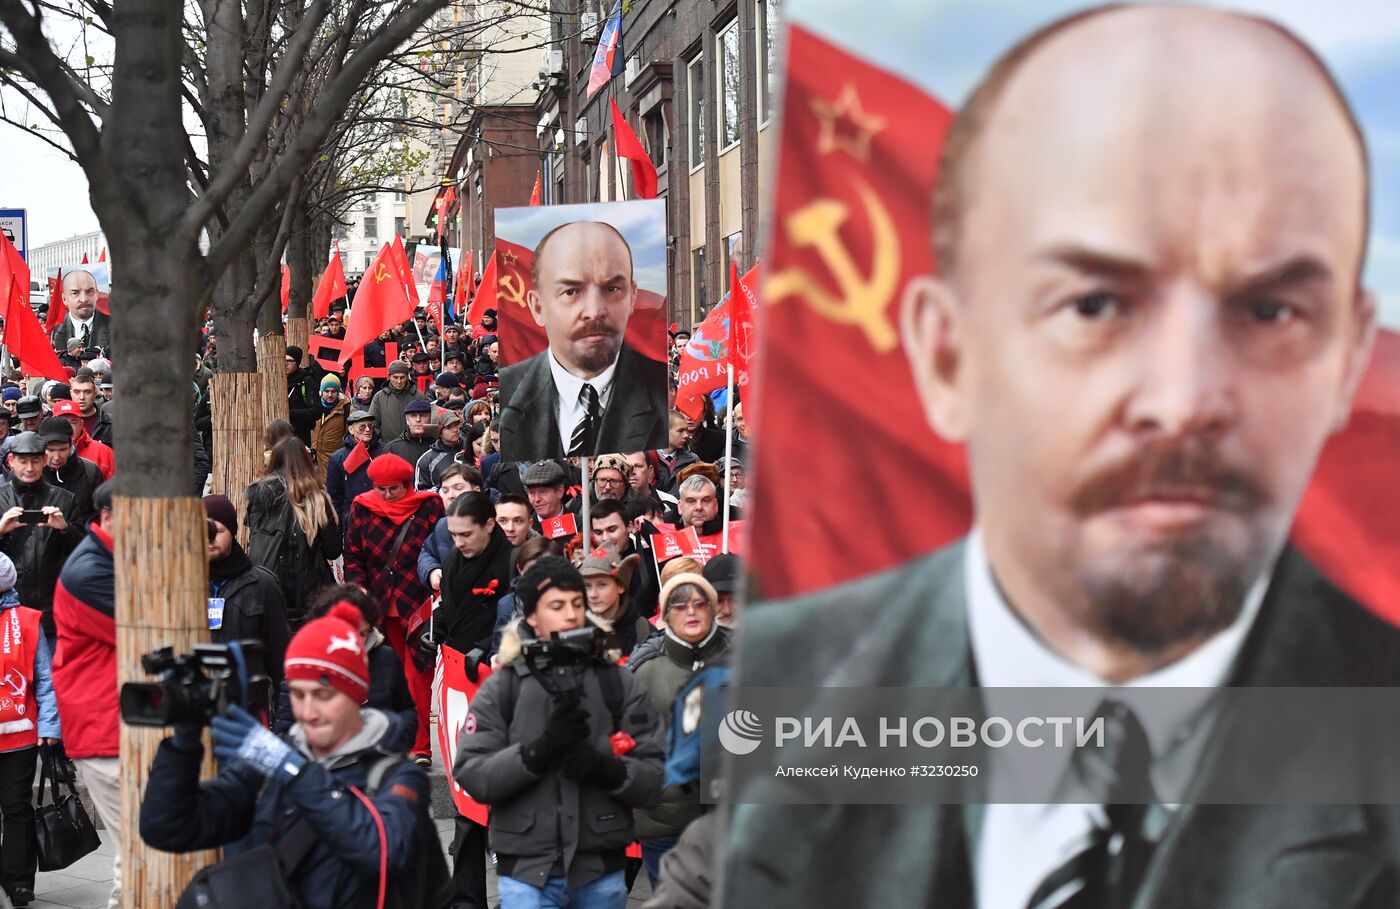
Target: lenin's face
x=584 y=296
x=1152 y=323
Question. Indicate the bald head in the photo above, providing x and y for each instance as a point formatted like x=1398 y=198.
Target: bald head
x=1102 y=87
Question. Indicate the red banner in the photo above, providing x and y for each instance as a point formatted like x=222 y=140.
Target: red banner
x=559 y=528
x=702 y=367
x=454 y=700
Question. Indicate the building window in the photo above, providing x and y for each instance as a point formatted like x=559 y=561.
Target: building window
x=695 y=91
x=369 y=260
x=400 y=226
x=371 y=228
x=654 y=125
x=728 y=93
x=768 y=54
x=697 y=281
x=733 y=246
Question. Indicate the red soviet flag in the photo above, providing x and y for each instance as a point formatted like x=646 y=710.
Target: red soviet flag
x=858 y=159
x=330 y=287
x=485 y=297
x=380 y=303
x=23 y=334
x=630 y=147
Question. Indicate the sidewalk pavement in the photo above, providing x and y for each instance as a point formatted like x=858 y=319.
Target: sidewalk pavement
x=87 y=883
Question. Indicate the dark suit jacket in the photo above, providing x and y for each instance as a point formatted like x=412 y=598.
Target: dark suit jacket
x=101 y=335
x=908 y=627
x=635 y=420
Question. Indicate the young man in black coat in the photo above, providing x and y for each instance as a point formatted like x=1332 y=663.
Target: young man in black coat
x=65 y=470
x=245 y=600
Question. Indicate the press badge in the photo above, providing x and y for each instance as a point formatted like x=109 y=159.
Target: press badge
x=216 y=613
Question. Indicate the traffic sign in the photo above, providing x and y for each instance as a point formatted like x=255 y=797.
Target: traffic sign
x=14 y=224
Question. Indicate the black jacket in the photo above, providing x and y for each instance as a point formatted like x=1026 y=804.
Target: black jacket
x=80 y=477
x=276 y=542
x=411 y=449
x=470 y=591
x=252 y=608
x=304 y=401
x=101 y=335
x=101 y=431
x=39 y=552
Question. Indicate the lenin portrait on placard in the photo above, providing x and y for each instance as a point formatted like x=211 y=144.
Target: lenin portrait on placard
x=582 y=338
x=1148 y=318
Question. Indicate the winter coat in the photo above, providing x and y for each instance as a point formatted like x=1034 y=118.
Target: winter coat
x=39 y=680
x=387 y=409
x=434 y=551
x=81 y=478
x=688 y=868
x=328 y=433
x=411 y=449
x=253 y=609
x=304 y=566
x=664 y=666
x=39 y=552
x=240 y=809
x=102 y=429
x=304 y=401
x=343 y=488
x=632 y=630
x=88 y=448
x=372 y=562
x=540 y=819
x=85 y=650
x=430 y=466
x=471 y=588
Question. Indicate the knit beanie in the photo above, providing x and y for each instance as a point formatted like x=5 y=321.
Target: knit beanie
x=549 y=571
x=8 y=576
x=399 y=366
x=221 y=509
x=390 y=470
x=11 y=394
x=329 y=650
x=294 y=353
x=330 y=381
x=686 y=577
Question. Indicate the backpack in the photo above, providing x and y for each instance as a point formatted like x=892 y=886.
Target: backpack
x=269 y=536
x=425 y=881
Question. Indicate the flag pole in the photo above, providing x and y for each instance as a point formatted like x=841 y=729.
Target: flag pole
x=728 y=450
x=583 y=512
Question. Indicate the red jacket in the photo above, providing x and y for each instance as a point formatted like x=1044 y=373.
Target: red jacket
x=96 y=452
x=85 y=660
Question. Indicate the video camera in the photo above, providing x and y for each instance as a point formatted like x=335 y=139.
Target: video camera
x=565 y=648
x=195 y=687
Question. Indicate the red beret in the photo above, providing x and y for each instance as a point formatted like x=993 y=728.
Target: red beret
x=390 y=470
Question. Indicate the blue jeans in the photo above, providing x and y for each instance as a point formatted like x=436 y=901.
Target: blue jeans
x=652 y=850
x=607 y=892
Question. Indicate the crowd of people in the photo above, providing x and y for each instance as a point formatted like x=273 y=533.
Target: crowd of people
x=386 y=526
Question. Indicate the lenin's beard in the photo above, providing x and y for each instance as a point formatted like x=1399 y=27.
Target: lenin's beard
x=596 y=352
x=1186 y=586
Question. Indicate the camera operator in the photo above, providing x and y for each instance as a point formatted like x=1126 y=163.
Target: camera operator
x=562 y=745
x=296 y=792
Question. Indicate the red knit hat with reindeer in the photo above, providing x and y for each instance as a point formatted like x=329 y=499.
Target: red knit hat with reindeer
x=329 y=650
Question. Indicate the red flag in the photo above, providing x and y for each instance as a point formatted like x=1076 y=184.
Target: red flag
x=85 y=259
x=357 y=458
x=380 y=303
x=454 y=700
x=330 y=287
x=710 y=348
x=485 y=294
x=859 y=140
x=56 y=308
x=286 y=286
x=24 y=336
x=102 y=256
x=437 y=295
x=405 y=273
x=442 y=207
x=521 y=338
x=560 y=527
x=630 y=147
x=535 y=193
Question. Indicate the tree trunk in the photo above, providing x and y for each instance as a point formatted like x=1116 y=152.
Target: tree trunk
x=272 y=355
x=236 y=399
x=162 y=584
x=306 y=267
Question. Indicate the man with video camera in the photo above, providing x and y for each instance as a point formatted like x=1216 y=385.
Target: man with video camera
x=562 y=745
x=341 y=821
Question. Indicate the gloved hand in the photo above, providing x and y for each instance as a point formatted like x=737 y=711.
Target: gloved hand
x=237 y=736
x=471 y=660
x=425 y=654
x=51 y=752
x=568 y=723
x=188 y=737
x=584 y=762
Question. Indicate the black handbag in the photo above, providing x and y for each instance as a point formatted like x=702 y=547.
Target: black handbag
x=63 y=832
x=259 y=877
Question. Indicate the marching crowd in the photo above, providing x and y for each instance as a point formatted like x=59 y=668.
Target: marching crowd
x=385 y=527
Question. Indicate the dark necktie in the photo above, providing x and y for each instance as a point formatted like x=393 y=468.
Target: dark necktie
x=586 y=430
x=1107 y=872
x=85 y=337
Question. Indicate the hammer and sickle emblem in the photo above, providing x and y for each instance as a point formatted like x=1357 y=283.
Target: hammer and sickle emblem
x=863 y=299
x=512 y=288
x=382 y=273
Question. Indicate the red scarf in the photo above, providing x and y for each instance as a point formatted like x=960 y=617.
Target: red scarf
x=396 y=512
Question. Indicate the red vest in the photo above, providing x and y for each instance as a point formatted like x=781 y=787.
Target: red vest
x=19 y=710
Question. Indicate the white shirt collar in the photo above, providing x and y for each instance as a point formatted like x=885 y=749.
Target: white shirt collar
x=79 y=323
x=569 y=386
x=1008 y=654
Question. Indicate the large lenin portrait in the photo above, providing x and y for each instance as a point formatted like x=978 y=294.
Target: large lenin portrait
x=1124 y=285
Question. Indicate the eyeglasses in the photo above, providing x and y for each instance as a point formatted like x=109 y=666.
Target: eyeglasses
x=692 y=606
